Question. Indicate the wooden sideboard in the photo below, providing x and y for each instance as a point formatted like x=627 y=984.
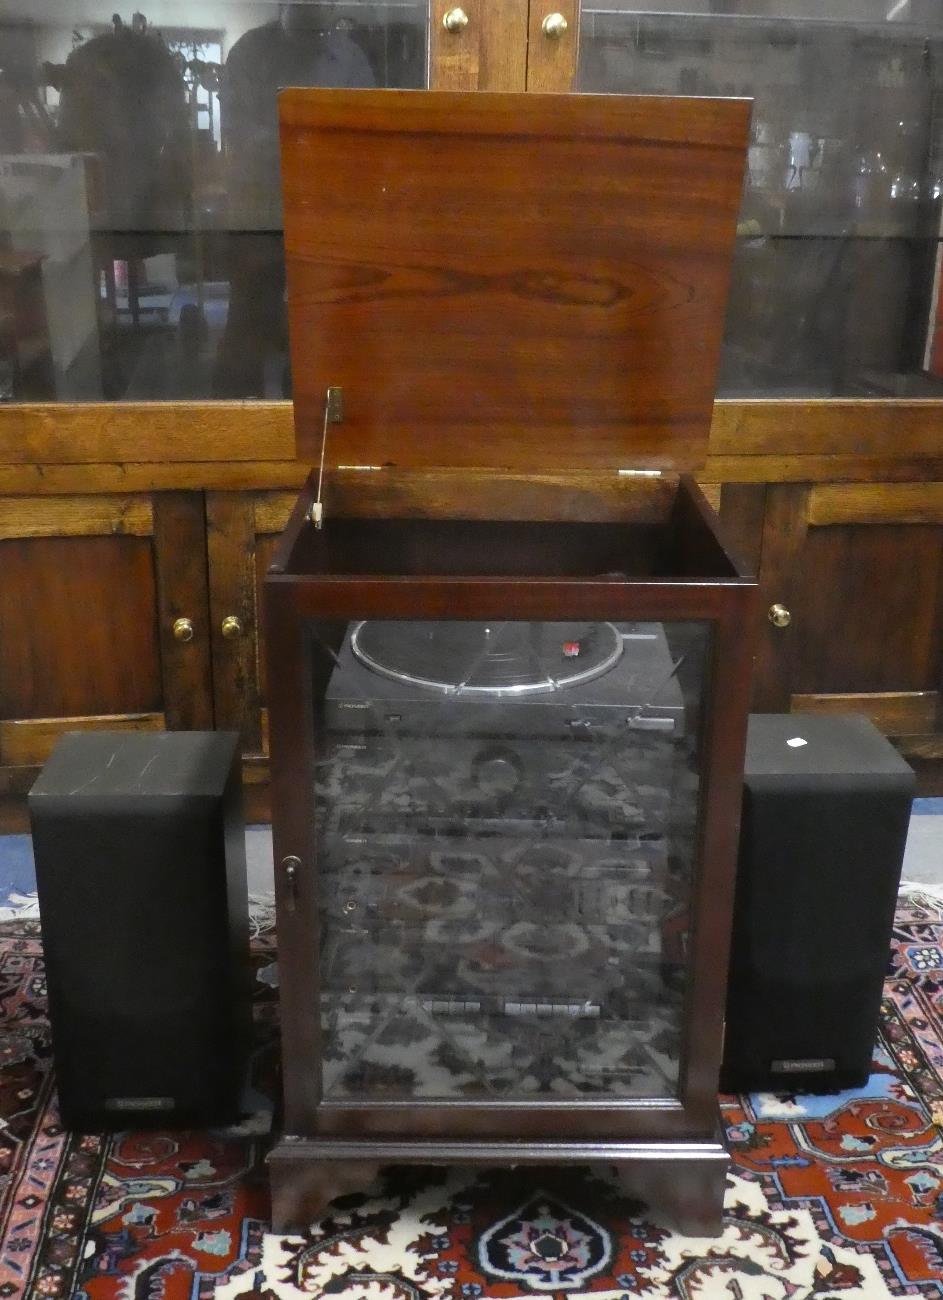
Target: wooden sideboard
x=116 y=521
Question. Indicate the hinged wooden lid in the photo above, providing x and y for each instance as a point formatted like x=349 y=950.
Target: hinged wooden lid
x=526 y=281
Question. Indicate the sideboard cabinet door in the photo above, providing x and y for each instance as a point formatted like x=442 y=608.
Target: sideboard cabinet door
x=103 y=620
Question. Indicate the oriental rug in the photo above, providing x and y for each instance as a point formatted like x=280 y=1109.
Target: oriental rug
x=834 y=1197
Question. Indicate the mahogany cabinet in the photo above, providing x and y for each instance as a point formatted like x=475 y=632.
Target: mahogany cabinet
x=506 y=750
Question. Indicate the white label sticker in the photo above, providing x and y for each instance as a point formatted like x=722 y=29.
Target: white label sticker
x=796 y=743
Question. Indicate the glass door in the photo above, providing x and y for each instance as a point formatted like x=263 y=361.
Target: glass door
x=506 y=817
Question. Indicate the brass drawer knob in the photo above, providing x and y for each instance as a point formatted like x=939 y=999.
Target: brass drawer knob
x=455 y=20
x=553 y=26
x=230 y=627
x=779 y=616
x=183 y=629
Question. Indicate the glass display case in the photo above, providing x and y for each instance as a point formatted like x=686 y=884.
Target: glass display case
x=139 y=164
x=835 y=287
x=506 y=752
x=139 y=161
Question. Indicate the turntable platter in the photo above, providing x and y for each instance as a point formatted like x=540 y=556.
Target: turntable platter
x=487 y=659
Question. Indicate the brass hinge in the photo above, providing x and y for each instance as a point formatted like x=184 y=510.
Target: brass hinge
x=334 y=404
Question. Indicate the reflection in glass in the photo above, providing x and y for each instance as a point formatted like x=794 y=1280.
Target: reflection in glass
x=506 y=819
x=140 y=219
x=834 y=288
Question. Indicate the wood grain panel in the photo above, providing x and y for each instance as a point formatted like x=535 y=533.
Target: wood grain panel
x=58 y=480
x=17 y=780
x=254 y=770
x=502 y=49
x=923 y=749
x=31 y=741
x=742 y=509
x=571 y=296
x=865 y=427
x=77 y=627
x=443 y=494
x=145 y=431
x=454 y=56
x=264 y=551
x=798 y=468
x=707 y=123
x=82 y=516
x=230 y=519
x=784 y=534
x=182 y=592
x=896 y=713
x=471 y=494
x=150 y=476
x=867 y=609
x=877 y=503
x=14 y=818
x=462 y=494
x=551 y=62
x=256 y=801
x=147 y=476
x=134 y=447
x=273 y=508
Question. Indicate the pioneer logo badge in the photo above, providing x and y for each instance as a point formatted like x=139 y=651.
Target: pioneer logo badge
x=139 y=1103
x=804 y=1065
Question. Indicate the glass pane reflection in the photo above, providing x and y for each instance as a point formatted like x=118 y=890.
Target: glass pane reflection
x=140 y=217
x=506 y=819
x=835 y=279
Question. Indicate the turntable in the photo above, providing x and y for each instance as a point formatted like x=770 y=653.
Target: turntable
x=506 y=750
x=542 y=720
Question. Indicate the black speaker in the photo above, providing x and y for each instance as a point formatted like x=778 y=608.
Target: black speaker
x=826 y=807
x=141 y=875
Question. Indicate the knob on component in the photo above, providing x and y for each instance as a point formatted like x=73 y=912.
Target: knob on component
x=779 y=616
x=230 y=627
x=455 y=20
x=553 y=26
x=183 y=629
x=497 y=771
